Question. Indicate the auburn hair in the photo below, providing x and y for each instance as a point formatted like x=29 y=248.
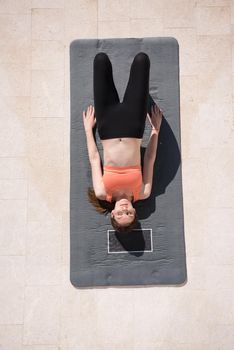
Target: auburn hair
x=104 y=207
x=101 y=206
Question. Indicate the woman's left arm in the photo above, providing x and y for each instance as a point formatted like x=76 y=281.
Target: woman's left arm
x=148 y=165
x=151 y=150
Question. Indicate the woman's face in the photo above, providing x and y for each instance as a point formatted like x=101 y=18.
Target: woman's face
x=124 y=213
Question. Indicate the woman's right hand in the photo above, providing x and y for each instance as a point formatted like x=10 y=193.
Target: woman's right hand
x=89 y=119
x=156 y=118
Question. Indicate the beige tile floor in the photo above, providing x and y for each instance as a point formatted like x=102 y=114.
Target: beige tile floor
x=39 y=308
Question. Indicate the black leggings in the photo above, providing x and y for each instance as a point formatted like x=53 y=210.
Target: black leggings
x=121 y=119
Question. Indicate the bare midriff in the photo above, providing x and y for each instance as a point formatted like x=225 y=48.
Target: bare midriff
x=123 y=151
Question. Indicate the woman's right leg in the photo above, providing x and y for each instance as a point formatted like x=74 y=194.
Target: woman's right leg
x=105 y=93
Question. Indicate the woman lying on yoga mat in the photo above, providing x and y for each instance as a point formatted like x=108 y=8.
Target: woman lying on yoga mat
x=121 y=126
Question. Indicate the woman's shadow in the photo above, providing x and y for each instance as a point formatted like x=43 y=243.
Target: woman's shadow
x=167 y=162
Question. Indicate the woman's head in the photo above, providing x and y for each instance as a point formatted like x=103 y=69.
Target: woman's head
x=123 y=216
x=121 y=222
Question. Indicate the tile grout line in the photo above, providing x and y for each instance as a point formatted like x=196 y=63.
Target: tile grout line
x=27 y=201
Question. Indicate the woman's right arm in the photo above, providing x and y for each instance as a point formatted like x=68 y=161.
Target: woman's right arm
x=89 y=121
x=95 y=162
x=94 y=157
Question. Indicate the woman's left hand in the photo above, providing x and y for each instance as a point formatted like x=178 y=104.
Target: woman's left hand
x=156 y=118
x=88 y=118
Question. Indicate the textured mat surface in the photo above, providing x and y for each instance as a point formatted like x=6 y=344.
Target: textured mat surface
x=155 y=252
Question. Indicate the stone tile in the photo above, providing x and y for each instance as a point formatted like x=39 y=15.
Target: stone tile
x=179 y=14
x=189 y=117
x=12 y=276
x=15 y=29
x=16 y=54
x=47 y=106
x=15 y=6
x=48 y=83
x=47 y=195
x=65 y=273
x=232 y=12
x=148 y=345
x=45 y=137
x=80 y=20
x=213 y=20
x=67 y=91
x=189 y=89
x=147 y=27
x=39 y=273
x=113 y=11
x=226 y=198
x=47 y=98
x=187 y=40
x=11 y=337
x=81 y=9
x=47 y=24
x=42 y=315
x=194 y=227
x=203 y=3
x=43 y=206
x=232 y=91
x=13 y=225
x=47 y=55
x=15 y=80
x=166 y=345
x=232 y=68
x=193 y=173
x=13 y=189
x=67 y=140
x=215 y=48
x=81 y=29
x=223 y=335
x=80 y=314
x=113 y=29
x=219 y=308
x=66 y=238
x=13 y=125
x=194 y=346
x=41 y=347
x=196 y=271
x=171 y=304
x=152 y=10
x=47 y=4
x=116 y=346
x=219 y=178
x=216 y=118
x=219 y=242
x=115 y=311
x=43 y=253
x=219 y=277
x=13 y=168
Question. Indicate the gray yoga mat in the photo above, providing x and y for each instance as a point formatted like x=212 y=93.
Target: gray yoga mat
x=154 y=253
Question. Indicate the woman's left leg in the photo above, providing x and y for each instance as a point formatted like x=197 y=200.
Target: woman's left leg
x=135 y=100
